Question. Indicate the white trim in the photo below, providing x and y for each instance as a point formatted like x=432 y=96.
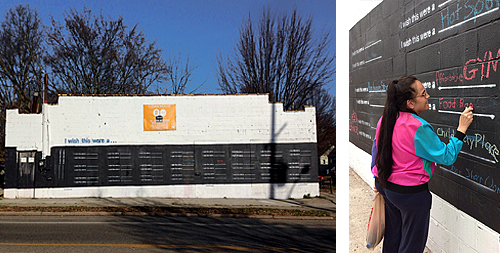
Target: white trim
x=255 y=191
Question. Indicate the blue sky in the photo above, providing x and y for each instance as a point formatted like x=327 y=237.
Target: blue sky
x=199 y=28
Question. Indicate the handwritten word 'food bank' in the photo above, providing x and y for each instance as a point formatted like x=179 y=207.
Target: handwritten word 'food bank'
x=449 y=103
x=87 y=141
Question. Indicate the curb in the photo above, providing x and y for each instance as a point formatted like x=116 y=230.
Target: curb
x=283 y=217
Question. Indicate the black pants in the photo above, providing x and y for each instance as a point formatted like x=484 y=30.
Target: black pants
x=407 y=217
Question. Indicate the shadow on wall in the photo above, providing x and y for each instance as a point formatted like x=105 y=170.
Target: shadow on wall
x=279 y=169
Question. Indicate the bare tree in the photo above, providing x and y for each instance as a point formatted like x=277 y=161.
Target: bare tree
x=21 y=65
x=94 y=55
x=282 y=57
x=179 y=75
x=325 y=119
x=21 y=52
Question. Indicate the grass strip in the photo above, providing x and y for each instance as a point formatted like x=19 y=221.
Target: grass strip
x=156 y=209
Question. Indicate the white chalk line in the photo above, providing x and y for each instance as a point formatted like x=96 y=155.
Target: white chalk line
x=374 y=43
x=373 y=59
x=461 y=23
x=492 y=116
x=441 y=5
x=478 y=157
x=468 y=86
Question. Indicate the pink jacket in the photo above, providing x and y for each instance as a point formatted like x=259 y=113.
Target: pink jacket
x=415 y=149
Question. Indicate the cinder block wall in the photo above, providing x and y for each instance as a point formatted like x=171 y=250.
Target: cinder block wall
x=211 y=119
x=23 y=130
x=452 y=47
x=100 y=148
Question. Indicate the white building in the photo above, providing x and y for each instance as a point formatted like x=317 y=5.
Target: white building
x=190 y=146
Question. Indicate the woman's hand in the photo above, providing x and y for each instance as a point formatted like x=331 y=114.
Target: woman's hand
x=376 y=193
x=465 y=119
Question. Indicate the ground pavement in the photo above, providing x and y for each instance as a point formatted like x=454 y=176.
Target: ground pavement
x=360 y=204
x=326 y=202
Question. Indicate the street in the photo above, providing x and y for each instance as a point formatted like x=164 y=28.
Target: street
x=163 y=234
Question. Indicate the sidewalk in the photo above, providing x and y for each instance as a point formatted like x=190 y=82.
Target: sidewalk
x=360 y=205
x=326 y=202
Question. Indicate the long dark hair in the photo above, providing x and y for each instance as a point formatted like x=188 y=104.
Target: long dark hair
x=398 y=92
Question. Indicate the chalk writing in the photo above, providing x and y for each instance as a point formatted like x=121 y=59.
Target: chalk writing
x=472 y=141
x=486 y=66
x=455 y=170
x=448 y=103
x=494 y=187
x=451 y=16
x=479 y=141
x=491 y=116
x=462 y=12
x=482 y=179
x=372 y=87
x=445 y=132
x=353 y=127
x=450 y=77
x=470 y=174
x=479 y=7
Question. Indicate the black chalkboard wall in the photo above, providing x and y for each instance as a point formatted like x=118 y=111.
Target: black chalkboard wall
x=453 y=48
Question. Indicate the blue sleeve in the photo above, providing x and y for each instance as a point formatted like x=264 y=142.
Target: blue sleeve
x=374 y=152
x=430 y=147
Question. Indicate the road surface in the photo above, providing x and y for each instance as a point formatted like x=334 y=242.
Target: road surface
x=163 y=234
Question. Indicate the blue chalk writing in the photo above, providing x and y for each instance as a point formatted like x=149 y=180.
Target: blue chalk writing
x=372 y=86
x=482 y=180
x=468 y=10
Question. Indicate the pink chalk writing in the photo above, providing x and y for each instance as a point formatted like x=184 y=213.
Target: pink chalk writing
x=451 y=103
x=486 y=65
x=354 y=119
x=448 y=78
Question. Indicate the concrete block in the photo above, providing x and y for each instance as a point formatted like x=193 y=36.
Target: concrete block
x=487 y=239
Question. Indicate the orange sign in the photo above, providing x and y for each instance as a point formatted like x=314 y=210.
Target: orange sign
x=159 y=117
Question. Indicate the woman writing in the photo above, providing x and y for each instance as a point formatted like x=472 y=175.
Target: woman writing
x=405 y=150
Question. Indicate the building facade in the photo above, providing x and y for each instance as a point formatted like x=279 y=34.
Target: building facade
x=189 y=146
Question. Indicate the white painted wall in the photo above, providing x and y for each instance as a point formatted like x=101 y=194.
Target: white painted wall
x=23 y=131
x=201 y=119
x=255 y=191
x=450 y=230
